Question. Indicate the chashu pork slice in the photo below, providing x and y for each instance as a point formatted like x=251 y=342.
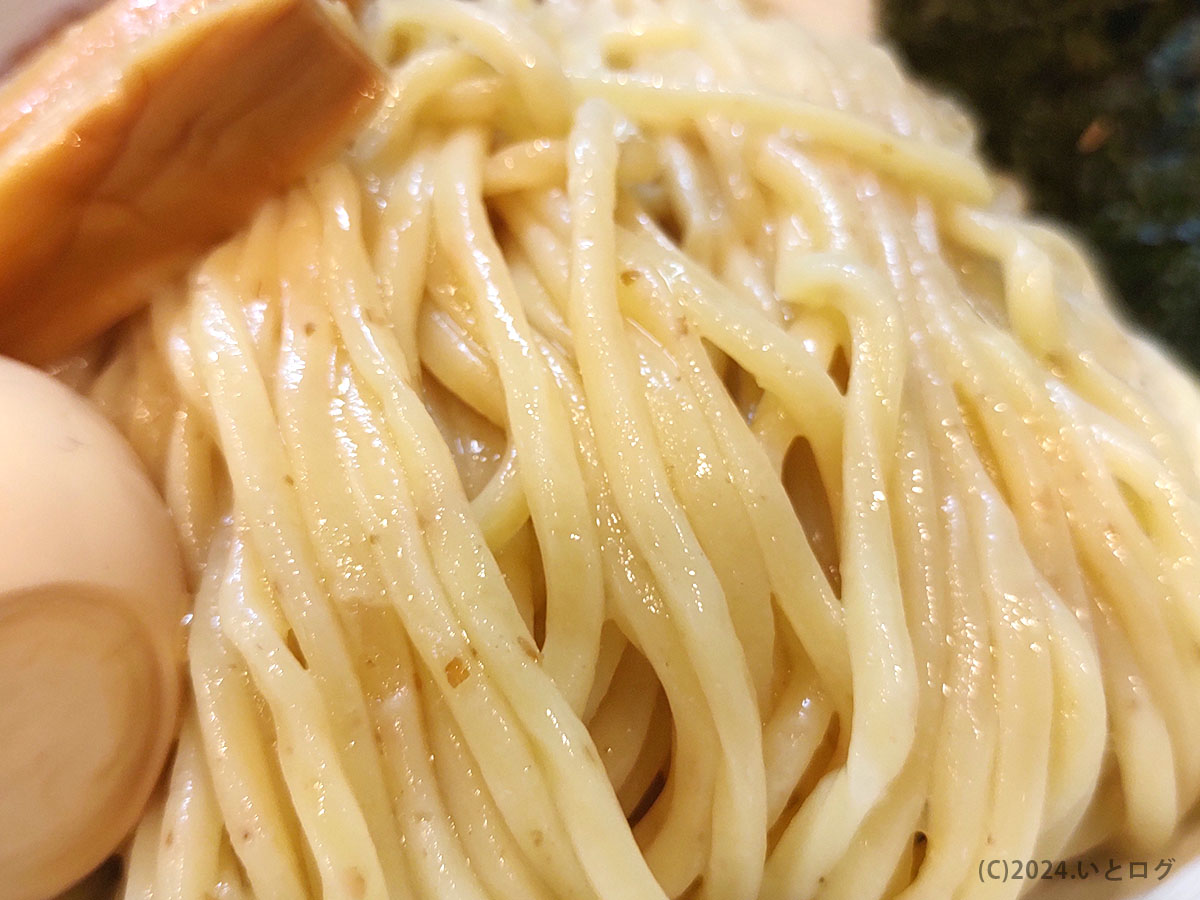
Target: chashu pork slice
x=141 y=135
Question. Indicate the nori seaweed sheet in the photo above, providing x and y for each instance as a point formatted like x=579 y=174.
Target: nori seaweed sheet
x=1095 y=105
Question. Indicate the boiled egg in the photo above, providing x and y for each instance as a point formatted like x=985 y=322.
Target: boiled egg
x=92 y=597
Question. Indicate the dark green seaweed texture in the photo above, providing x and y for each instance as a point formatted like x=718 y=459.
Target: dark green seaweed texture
x=1095 y=104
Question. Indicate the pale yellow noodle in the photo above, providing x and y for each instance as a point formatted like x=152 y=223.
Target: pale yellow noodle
x=659 y=459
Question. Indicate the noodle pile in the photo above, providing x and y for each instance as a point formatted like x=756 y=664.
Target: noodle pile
x=659 y=460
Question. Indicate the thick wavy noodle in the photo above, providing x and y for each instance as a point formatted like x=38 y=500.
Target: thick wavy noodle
x=660 y=460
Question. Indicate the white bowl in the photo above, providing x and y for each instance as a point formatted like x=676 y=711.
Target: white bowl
x=1182 y=882
x=22 y=22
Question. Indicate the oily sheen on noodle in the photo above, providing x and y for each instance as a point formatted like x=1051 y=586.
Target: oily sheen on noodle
x=660 y=459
